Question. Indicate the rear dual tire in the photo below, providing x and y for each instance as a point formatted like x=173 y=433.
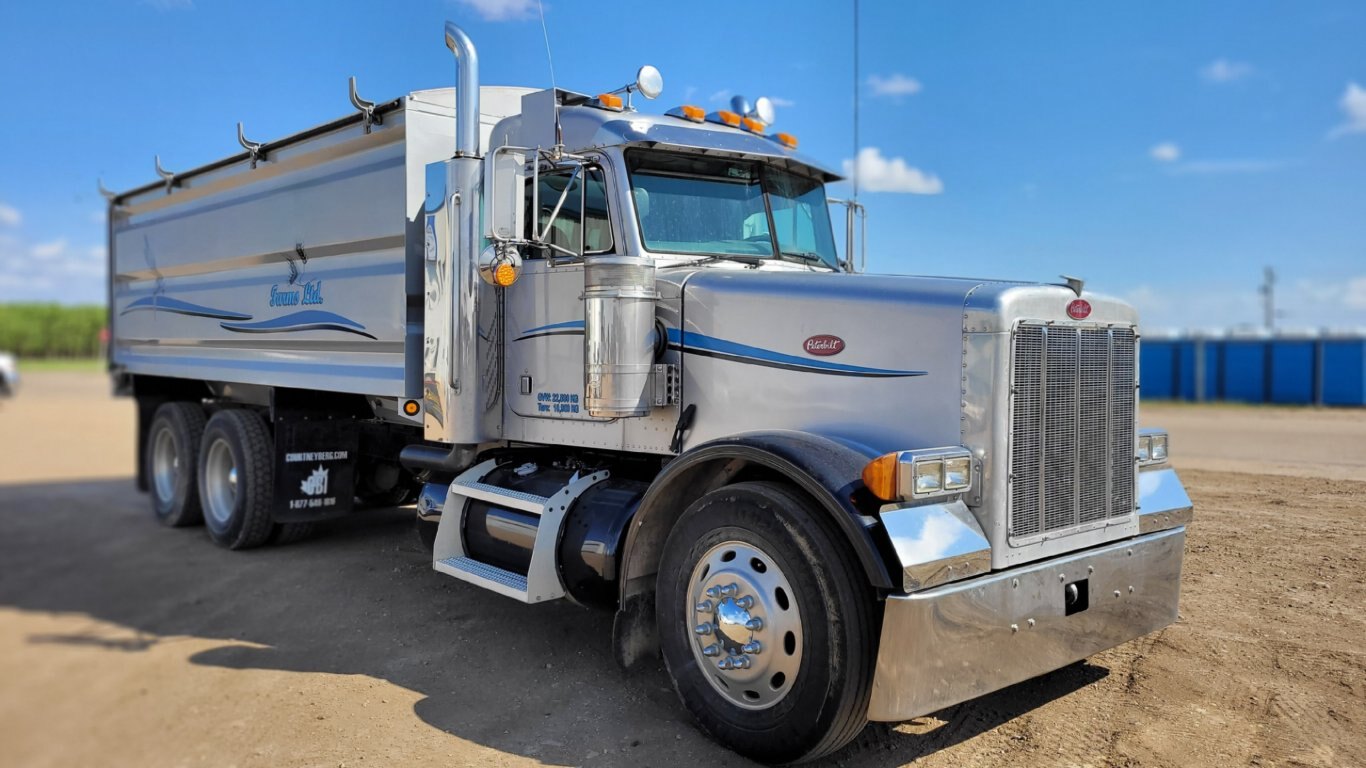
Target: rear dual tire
x=236 y=479
x=171 y=455
x=761 y=551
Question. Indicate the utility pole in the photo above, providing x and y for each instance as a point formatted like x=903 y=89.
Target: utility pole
x=1268 y=291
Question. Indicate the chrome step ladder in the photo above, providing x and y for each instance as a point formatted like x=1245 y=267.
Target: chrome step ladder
x=542 y=580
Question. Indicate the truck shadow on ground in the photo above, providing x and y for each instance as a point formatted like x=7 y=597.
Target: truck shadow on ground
x=361 y=599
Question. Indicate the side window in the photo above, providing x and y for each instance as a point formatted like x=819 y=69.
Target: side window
x=587 y=192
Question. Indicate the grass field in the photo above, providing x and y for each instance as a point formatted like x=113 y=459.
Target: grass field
x=86 y=364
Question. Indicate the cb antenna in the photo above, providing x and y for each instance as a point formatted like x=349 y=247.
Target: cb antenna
x=554 y=89
x=856 y=104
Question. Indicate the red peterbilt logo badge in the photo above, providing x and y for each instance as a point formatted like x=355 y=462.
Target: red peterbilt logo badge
x=1079 y=309
x=824 y=345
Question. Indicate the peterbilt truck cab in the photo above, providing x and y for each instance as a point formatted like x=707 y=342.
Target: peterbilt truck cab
x=619 y=360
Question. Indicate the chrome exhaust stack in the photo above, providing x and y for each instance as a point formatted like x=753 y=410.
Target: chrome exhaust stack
x=466 y=91
x=466 y=418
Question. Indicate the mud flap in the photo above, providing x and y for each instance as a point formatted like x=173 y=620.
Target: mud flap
x=315 y=469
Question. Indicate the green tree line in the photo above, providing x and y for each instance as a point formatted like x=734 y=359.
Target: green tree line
x=51 y=330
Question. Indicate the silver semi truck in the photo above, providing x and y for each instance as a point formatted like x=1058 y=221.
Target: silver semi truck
x=616 y=359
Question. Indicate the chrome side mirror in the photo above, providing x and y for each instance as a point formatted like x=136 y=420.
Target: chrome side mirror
x=649 y=82
x=505 y=215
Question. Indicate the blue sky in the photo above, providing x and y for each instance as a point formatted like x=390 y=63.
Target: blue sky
x=1165 y=151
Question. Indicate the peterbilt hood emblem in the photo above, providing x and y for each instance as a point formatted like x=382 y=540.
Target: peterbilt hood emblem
x=1079 y=309
x=823 y=345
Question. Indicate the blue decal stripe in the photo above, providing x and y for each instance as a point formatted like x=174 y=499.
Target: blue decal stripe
x=567 y=328
x=692 y=343
x=307 y=320
x=568 y=324
x=168 y=304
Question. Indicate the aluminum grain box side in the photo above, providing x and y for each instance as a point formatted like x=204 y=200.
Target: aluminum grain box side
x=301 y=269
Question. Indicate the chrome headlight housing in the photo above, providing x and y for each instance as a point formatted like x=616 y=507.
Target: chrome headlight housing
x=922 y=474
x=1152 y=447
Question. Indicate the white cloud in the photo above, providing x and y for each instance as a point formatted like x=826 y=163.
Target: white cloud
x=502 y=10
x=1353 y=103
x=50 y=250
x=53 y=270
x=882 y=174
x=10 y=216
x=1166 y=152
x=1330 y=301
x=1225 y=71
x=1236 y=165
x=721 y=95
x=895 y=84
x=781 y=102
x=1355 y=294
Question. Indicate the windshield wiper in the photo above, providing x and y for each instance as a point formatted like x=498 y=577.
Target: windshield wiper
x=753 y=261
x=806 y=257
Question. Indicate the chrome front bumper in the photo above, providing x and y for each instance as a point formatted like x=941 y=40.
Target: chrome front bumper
x=955 y=642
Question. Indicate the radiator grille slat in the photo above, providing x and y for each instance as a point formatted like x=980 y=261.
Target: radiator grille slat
x=1072 y=438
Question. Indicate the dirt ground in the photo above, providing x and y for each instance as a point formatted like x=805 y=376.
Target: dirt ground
x=124 y=643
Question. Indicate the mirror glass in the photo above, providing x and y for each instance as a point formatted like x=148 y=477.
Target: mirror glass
x=649 y=82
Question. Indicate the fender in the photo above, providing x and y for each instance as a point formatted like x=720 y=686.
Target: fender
x=826 y=469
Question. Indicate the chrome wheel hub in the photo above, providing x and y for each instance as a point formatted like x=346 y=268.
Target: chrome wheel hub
x=220 y=483
x=746 y=627
x=165 y=464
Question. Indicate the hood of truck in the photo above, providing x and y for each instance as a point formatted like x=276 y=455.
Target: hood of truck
x=876 y=361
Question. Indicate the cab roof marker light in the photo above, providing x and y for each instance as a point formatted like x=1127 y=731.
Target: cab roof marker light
x=786 y=139
x=752 y=125
x=607 y=101
x=688 y=112
x=724 y=117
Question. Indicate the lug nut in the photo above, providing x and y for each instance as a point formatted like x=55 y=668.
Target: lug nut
x=713 y=591
x=745 y=602
x=703 y=628
x=755 y=624
x=752 y=647
x=730 y=590
x=705 y=607
x=725 y=664
x=711 y=650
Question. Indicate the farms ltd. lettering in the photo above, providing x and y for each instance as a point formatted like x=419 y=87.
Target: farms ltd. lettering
x=310 y=292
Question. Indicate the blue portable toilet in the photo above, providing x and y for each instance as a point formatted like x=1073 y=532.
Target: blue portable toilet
x=1294 y=370
x=1157 y=369
x=1185 y=363
x=1344 y=371
x=1245 y=370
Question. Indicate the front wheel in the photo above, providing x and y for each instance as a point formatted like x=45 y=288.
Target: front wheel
x=766 y=623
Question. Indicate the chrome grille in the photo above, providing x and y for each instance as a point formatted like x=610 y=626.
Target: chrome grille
x=1072 y=430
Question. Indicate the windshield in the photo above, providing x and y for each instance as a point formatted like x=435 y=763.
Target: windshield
x=729 y=208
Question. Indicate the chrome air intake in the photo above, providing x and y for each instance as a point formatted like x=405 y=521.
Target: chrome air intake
x=619 y=335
